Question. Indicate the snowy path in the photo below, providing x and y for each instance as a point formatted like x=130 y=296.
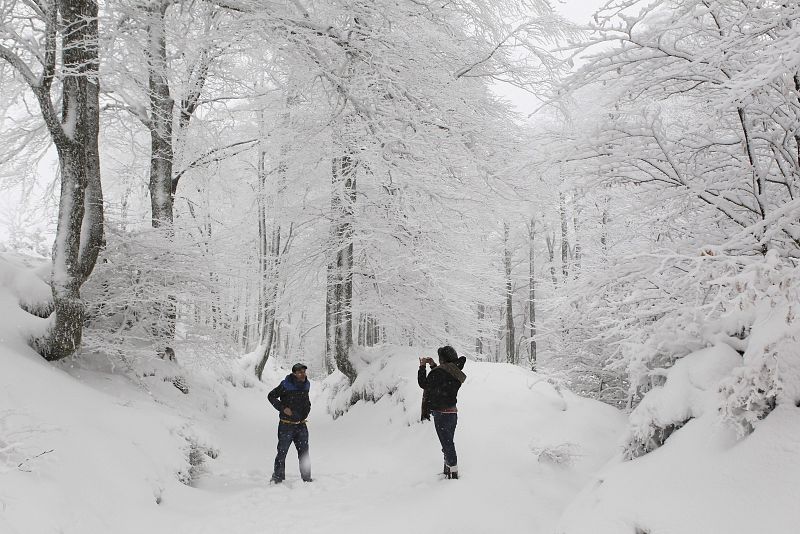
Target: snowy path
x=374 y=476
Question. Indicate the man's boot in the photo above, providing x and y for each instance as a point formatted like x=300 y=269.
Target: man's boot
x=446 y=471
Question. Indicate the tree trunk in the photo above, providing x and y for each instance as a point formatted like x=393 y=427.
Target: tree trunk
x=604 y=233
x=550 y=239
x=376 y=333
x=269 y=243
x=479 y=337
x=161 y=161
x=338 y=302
x=562 y=210
x=161 y=111
x=361 y=340
x=532 y=293
x=510 y=334
x=79 y=231
x=577 y=248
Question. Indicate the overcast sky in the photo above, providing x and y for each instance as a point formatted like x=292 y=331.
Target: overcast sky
x=577 y=11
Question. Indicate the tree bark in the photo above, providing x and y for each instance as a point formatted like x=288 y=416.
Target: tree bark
x=577 y=248
x=479 y=337
x=510 y=334
x=338 y=302
x=532 y=293
x=79 y=231
x=161 y=110
x=562 y=210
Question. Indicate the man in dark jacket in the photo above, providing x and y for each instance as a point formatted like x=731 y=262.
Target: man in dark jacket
x=441 y=387
x=290 y=398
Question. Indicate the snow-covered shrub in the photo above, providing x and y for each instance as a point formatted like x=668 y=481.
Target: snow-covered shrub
x=749 y=315
x=559 y=454
x=384 y=372
x=769 y=296
x=151 y=289
x=689 y=391
x=197 y=451
x=648 y=311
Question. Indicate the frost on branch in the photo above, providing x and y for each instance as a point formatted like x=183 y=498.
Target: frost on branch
x=690 y=391
x=770 y=375
x=754 y=314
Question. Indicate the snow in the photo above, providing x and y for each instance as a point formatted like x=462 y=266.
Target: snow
x=22 y=283
x=85 y=450
x=705 y=478
x=701 y=481
x=690 y=391
x=88 y=447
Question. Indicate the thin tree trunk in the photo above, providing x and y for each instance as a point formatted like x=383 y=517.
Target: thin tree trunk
x=550 y=239
x=577 y=247
x=376 y=332
x=510 y=334
x=479 y=337
x=271 y=259
x=532 y=293
x=338 y=320
x=161 y=109
x=562 y=210
x=604 y=233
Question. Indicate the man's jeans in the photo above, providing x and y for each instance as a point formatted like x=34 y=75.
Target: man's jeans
x=288 y=434
x=445 y=424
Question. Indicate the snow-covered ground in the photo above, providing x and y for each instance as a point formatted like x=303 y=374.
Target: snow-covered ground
x=86 y=450
x=87 y=447
x=705 y=479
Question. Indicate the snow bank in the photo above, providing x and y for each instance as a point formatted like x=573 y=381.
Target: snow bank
x=82 y=450
x=691 y=390
x=23 y=286
x=705 y=478
x=701 y=481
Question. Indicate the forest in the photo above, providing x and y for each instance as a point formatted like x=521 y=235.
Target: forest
x=306 y=180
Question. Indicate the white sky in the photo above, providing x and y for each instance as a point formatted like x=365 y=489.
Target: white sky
x=577 y=11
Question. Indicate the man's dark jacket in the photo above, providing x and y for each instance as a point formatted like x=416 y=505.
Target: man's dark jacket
x=441 y=384
x=293 y=395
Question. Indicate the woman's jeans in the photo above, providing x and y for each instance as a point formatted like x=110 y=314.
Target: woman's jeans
x=445 y=424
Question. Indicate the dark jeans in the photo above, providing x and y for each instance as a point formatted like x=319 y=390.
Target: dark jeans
x=445 y=424
x=288 y=434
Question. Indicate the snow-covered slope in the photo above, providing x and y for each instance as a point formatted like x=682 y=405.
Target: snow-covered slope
x=373 y=472
x=85 y=450
x=704 y=479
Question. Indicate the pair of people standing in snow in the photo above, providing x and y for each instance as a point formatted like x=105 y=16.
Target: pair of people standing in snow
x=440 y=388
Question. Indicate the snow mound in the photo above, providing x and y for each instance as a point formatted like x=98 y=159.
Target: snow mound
x=23 y=293
x=84 y=450
x=691 y=390
x=705 y=478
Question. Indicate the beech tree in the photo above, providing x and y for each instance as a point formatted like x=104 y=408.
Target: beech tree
x=33 y=36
